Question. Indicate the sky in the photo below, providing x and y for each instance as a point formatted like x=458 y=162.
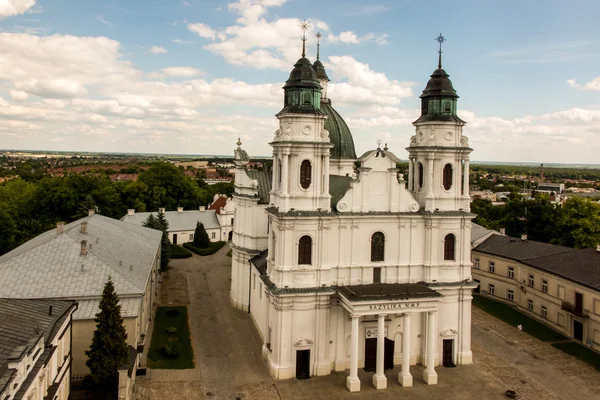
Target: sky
x=191 y=76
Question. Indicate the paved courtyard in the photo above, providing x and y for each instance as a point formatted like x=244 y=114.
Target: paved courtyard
x=229 y=364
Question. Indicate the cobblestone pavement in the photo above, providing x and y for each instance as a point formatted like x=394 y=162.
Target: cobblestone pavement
x=523 y=363
x=227 y=355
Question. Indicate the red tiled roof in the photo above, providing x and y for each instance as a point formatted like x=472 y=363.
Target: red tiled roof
x=218 y=204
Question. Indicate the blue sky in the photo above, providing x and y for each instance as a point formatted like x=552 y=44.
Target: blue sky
x=191 y=76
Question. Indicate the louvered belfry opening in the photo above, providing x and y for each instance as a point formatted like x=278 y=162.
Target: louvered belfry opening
x=447 y=177
x=305 y=174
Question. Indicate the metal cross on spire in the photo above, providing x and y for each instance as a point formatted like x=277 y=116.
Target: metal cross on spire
x=440 y=39
x=304 y=27
x=318 y=36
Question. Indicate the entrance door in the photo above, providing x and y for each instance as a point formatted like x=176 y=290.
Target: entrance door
x=447 y=353
x=174 y=238
x=230 y=235
x=388 y=358
x=302 y=364
x=370 y=354
x=578 y=330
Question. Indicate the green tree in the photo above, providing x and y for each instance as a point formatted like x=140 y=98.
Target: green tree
x=160 y=223
x=580 y=223
x=201 y=239
x=108 y=351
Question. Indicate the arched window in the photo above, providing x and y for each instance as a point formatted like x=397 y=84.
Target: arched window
x=447 y=176
x=305 y=250
x=305 y=174
x=377 y=246
x=419 y=175
x=449 y=242
x=279 y=170
x=447 y=107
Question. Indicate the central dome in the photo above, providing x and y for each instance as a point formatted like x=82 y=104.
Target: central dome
x=339 y=133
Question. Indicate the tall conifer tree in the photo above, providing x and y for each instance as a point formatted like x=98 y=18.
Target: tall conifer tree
x=109 y=349
x=201 y=239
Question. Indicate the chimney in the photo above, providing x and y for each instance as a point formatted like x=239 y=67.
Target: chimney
x=83 y=247
x=83 y=227
x=598 y=248
x=202 y=208
x=524 y=236
x=60 y=227
x=179 y=209
x=130 y=211
x=503 y=231
x=91 y=212
x=161 y=210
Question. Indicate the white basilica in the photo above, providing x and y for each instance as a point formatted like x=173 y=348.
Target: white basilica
x=341 y=263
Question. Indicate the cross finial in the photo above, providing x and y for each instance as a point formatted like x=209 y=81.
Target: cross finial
x=318 y=36
x=440 y=39
x=304 y=27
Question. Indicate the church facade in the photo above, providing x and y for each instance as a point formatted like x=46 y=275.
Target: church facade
x=340 y=261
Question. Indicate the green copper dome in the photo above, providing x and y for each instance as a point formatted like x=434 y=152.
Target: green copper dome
x=320 y=70
x=302 y=90
x=439 y=99
x=339 y=133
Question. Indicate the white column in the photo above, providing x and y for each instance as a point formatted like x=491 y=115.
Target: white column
x=466 y=179
x=429 y=375
x=465 y=356
x=404 y=377
x=379 y=379
x=411 y=174
x=352 y=381
x=430 y=174
x=285 y=174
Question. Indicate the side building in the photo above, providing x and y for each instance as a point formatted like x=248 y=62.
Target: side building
x=556 y=285
x=74 y=261
x=35 y=349
x=182 y=223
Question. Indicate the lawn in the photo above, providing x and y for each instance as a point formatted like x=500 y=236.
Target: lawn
x=160 y=337
x=582 y=353
x=513 y=317
x=212 y=248
x=179 y=252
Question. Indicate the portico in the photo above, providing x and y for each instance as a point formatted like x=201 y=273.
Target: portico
x=390 y=301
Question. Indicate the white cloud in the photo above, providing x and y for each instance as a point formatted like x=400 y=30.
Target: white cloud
x=594 y=84
x=181 y=41
x=203 y=30
x=158 y=50
x=182 y=71
x=103 y=21
x=8 y=8
x=344 y=37
x=18 y=95
x=53 y=88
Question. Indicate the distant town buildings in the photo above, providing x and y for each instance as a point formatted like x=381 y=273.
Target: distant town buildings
x=35 y=349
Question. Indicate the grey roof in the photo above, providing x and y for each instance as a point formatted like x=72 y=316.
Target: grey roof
x=24 y=322
x=50 y=265
x=260 y=261
x=478 y=231
x=387 y=291
x=577 y=265
x=264 y=179
x=88 y=308
x=179 y=221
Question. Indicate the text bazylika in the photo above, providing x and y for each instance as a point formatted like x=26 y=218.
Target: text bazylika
x=393 y=306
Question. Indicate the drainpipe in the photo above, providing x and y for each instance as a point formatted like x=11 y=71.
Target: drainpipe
x=249 y=285
x=71 y=350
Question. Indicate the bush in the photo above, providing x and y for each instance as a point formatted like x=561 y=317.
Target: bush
x=211 y=249
x=171 y=330
x=173 y=313
x=171 y=349
x=179 y=252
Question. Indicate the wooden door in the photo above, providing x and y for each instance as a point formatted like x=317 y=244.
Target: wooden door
x=578 y=330
x=174 y=238
x=370 y=354
x=388 y=359
x=302 y=364
x=448 y=352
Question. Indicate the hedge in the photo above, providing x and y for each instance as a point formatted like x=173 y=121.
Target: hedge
x=179 y=252
x=211 y=249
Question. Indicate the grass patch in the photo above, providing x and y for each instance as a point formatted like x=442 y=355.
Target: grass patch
x=511 y=316
x=580 y=352
x=211 y=249
x=179 y=252
x=228 y=253
x=167 y=317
